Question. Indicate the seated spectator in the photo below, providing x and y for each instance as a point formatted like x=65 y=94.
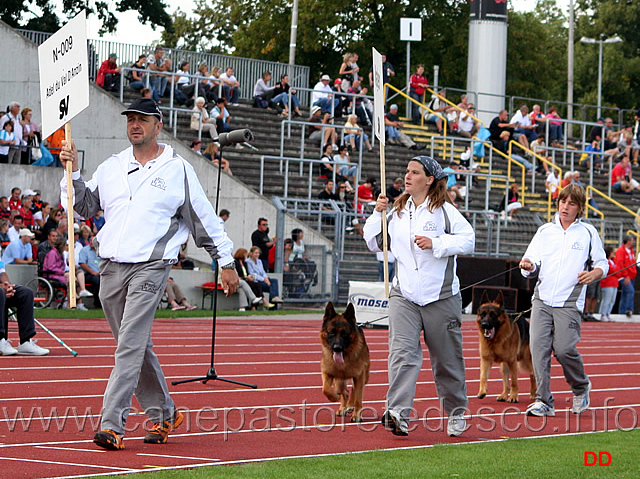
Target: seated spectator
x=240 y=257
x=55 y=216
x=45 y=246
x=108 y=76
x=5 y=211
x=503 y=146
x=587 y=158
x=538 y=119
x=555 y=127
x=523 y=126
x=179 y=95
x=137 y=77
x=467 y=126
x=452 y=181
x=342 y=162
x=21 y=299
x=436 y=105
x=467 y=164
x=323 y=97
x=343 y=100
x=20 y=251
x=327 y=192
x=256 y=269
x=262 y=92
x=392 y=125
x=200 y=118
x=355 y=134
x=187 y=85
x=221 y=115
x=4 y=237
x=15 y=220
x=499 y=125
x=281 y=93
x=628 y=146
x=214 y=82
x=366 y=194
x=538 y=147
x=7 y=140
x=176 y=298
x=14 y=201
x=96 y=222
x=55 y=269
x=620 y=177
x=85 y=235
x=230 y=86
x=212 y=154
x=358 y=104
x=89 y=261
x=395 y=190
x=159 y=64
x=511 y=201
x=25 y=210
x=42 y=215
x=552 y=182
x=319 y=133
x=196 y=146
x=297 y=257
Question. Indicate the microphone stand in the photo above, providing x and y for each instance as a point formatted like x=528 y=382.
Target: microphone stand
x=212 y=375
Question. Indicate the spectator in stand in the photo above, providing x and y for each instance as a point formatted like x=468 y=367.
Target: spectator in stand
x=281 y=93
x=20 y=251
x=30 y=135
x=387 y=73
x=365 y=193
x=20 y=298
x=136 y=77
x=343 y=100
x=54 y=268
x=14 y=116
x=5 y=211
x=255 y=267
x=224 y=214
x=629 y=146
x=230 y=86
x=108 y=76
x=187 y=85
x=4 y=235
x=538 y=147
x=555 y=127
x=452 y=181
x=348 y=70
x=503 y=145
x=96 y=222
x=200 y=118
x=392 y=125
x=609 y=286
x=263 y=92
x=552 y=182
x=240 y=258
x=327 y=166
x=323 y=97
x=55 y=215
x=511 y=202
x=626 y=258
x=54 y=143
x=25 y=210
x=196 y=146
x=40 y=217
x=85 y=235
x=159 y=63
x=464 y=102
x=395 y=190
x=524 y=131
x=498 y=125
x=467 y=126
x=320 y=131
x=7 y=141
x=212 y=154
x=538 y=119
x=620 y=181
x=176 y=298
x=360 y=110
x=263 y=241
x=418 y=85
x=220 y=114
x=14 y=201
x=342 y=162
x=354 y=131
x=214 y=82
x=327 y=192
x=439 y=106
x=16 y=226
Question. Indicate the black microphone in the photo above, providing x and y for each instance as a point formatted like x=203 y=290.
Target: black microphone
x=234 y=137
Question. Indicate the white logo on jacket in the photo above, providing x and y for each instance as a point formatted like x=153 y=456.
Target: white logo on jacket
x=577 y=245
x=430 y=226
x=159 y=183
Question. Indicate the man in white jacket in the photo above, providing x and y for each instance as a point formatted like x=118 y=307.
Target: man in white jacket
x=562 y=254
x=152 y=200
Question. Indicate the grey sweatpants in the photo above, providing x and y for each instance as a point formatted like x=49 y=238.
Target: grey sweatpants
x=130 y=293
x=557 y=330
x=439 y=323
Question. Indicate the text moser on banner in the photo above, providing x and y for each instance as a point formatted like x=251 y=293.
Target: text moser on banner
x=64 y=74
x=378 y=96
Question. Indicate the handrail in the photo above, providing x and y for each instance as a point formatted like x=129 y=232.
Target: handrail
x=443 y=118
x=591 y=189
x=455 y=106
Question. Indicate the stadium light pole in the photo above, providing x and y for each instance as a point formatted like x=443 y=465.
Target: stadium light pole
x=615 y=39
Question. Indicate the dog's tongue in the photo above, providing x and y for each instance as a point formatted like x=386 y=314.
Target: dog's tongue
x=337 y=357
x=489 y=333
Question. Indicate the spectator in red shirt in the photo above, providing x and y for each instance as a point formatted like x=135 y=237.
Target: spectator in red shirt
x=365 y=193
x=626 y=258
x=418 y=85
x=109 y=74
x=5 y=211
x=25 y=212
x=14 y=201
x=619 y=176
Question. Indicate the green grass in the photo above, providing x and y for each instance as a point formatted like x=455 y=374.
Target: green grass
x=557 y=458
x=167 y=313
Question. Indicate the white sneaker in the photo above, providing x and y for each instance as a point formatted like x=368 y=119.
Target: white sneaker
x=85 y=294
x=257 y=301
x=30 y=348
x=81 y=307
x=582 y=401
x=539 y=408
x=456 y=425
x=6 y=349
x=242 y=310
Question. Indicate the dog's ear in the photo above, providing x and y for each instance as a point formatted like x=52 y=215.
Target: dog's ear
x=350 y=313
x=329 y=311
x=500 y=299
x=485 y=297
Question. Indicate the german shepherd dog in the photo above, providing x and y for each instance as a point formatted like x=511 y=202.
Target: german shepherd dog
x=506 y=342
x=345 y=356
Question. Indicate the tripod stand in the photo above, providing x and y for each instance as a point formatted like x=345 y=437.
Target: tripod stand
x=212 y=375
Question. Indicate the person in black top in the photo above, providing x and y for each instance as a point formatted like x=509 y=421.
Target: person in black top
x=394 y=190
x=327 y=193
x=499 y=124
x=281 y=94
x=262 y=240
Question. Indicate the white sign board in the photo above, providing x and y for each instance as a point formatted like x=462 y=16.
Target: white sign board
x=64 y=74
x=378 y=97
x=370 y=302
x=411 y=29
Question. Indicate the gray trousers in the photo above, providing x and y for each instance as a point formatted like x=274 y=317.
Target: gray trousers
x=556 y=330
x=439 y=323
x=130 y=294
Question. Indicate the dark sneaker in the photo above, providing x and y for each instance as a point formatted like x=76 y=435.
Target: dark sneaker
x=160 y=431
x=109 y=440
x=392 y=424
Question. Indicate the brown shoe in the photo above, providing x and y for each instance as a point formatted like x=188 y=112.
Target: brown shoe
x=159 y=432
x=109 y=440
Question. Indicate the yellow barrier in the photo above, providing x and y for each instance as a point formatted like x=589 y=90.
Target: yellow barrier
x=591 y=189
x=401 y=93
x=455 y=106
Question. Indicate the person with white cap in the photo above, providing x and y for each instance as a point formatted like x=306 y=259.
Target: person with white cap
x=426 y=233
x=322 y=95
x=152 y=200
x=20 y=251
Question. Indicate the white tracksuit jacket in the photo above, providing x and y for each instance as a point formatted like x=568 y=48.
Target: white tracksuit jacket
x=558 y=256
x=424 y=276
x=152 y=221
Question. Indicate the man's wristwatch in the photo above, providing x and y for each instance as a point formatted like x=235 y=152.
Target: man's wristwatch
x=231 y=265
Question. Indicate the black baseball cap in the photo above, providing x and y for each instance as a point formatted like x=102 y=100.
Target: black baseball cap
x=146 y=106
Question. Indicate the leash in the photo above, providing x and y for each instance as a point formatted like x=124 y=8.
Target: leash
x=490 y=277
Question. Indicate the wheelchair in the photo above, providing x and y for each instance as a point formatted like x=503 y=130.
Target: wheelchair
x=47 y=292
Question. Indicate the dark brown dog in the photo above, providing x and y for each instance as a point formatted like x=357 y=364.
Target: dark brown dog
x=345 y=356
x=506 y=342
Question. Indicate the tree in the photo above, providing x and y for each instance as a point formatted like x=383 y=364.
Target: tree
x=14 y=13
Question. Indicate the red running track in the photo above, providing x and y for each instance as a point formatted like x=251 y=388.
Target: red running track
x=50 y=405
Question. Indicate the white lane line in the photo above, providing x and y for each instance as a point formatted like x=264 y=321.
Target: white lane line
x=99 y=451
x=112 y=468
x=178 y=457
